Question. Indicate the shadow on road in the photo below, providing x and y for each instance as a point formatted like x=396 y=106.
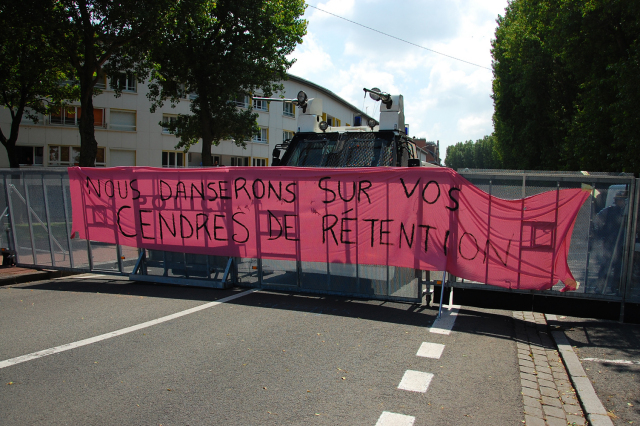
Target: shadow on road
x=472 y=320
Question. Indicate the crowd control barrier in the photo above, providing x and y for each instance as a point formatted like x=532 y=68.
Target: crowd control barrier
x=35 y=229
x=604 y=259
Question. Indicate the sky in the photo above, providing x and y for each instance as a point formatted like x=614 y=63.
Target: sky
x=444 y=99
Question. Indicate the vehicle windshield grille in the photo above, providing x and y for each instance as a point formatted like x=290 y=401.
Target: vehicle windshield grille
x=346 y=150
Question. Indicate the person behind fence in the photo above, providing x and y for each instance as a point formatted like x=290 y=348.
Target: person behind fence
x=609 y=228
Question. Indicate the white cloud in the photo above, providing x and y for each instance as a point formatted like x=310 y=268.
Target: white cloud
x=311 y=58
x=445 y=99
x=474 y=124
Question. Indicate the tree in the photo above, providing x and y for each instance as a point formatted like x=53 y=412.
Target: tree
x=221 y=51
x=105 y=37
x=565 y=85
x=32 y=72
x=480 y=154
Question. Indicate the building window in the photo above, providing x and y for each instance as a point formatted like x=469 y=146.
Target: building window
x=30 y=155
x=260 y=105
x=100 y=158
x=262 y=137
x=357 y=120
x=287 y=135
x=260 y=162
x=239 y=161
x=70 y=116
x=70 y=156
x=98 y=117
x=169 y=119
x=242 y=101
x=123 y=120
x=172 y=159
x=65 y=116
x=125 y=82
x=192 y=96
x=288 y=109
x=331 y=121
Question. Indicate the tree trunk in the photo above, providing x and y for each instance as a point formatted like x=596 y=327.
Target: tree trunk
x=88 y=144
x=207 y=139
x=12 y=153
x=10 y=144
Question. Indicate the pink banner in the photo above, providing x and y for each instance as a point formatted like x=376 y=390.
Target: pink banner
x=422 y=218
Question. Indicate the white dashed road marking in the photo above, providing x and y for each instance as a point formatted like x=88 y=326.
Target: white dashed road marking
x=69 y=346
x=444 y=324
x=392 y=419
x=418 y=381
x=430 y=350
x=415 y=381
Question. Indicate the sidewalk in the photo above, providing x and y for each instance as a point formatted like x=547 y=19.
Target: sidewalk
x=578 y=371
x=15 y=275
x=547 y=392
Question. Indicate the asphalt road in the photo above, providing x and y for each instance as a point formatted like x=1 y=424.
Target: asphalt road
x=263 y=358
x=610 y=354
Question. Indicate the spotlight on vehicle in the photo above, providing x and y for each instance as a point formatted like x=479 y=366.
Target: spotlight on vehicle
x=372 y=123
x=373 y=94
x=378 y=95
x=302 y=101
x=323 y=125
x=302 y=97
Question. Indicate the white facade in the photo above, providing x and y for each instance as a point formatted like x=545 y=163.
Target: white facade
x=128 y=134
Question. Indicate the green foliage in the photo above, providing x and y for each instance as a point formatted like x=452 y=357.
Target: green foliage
x=221 y=50
x=565 y=85
x=480 y=154
x=103 y=36
x=33 y=74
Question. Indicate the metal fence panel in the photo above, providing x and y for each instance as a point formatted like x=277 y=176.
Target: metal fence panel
x=314 y=276
x=19 y=212
x=35 y=199
x=279 y=272
x=5 y=228
x=596 y=251
x=56 y=220
x=376 y=277
x=247 y=270
x=404 y=283
x=633 y=284
x=605 y=260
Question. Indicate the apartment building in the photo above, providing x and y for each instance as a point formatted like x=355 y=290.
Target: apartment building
x=128 y=134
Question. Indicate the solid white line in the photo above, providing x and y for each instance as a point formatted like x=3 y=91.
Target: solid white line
x=415 y=381
x=611 y=361
x=430 y=350
x=444 y=325
x=69 y=346
x=393 y=419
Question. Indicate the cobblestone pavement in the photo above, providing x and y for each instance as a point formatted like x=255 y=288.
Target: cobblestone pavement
x=549 y=398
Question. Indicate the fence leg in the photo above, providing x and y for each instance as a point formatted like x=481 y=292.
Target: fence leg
x=444 y=274
x=67 y=222
x=119 y=260
x=29 y=221
x=141 y=258
x=48 y=219
x=13 y=238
